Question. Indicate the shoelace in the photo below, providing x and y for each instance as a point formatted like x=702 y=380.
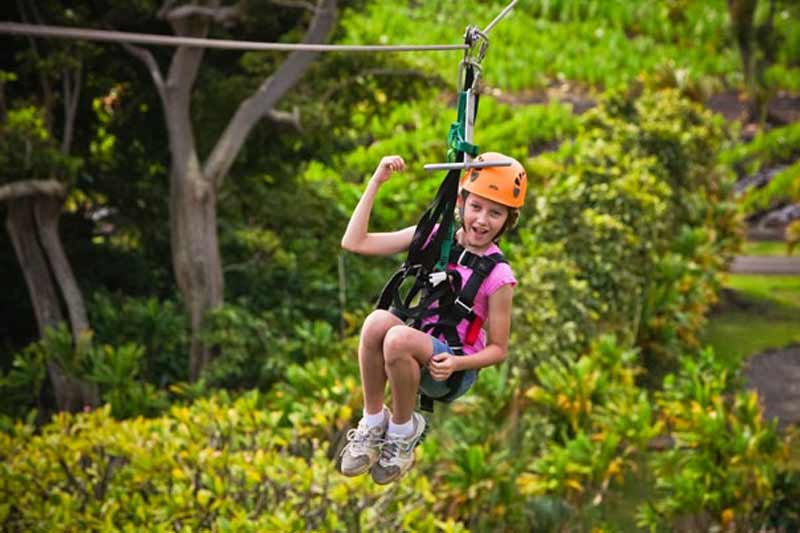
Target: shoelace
x=357 y=439
x=392 y=445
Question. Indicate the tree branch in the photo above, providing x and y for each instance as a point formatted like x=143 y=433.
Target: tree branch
x=3 y=106
x=150 y=62
x=113 y=464
x=259 y=104
x=46 y=211
x=47 y=92
x=226 y=15
x=72 y=480
x=299 y=4
x=284 y=117
x=20 y=189
x=72 y=90
x=165 y=7
x=186 y=60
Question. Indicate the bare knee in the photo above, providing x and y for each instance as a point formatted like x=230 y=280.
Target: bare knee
x=375 y=327
x=398 y=344
x=378 y=323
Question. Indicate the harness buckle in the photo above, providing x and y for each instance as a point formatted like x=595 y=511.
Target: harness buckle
x=436 y=278
x=464 y=306
x=461 y=258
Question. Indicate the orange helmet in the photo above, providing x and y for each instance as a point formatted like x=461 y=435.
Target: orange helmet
x=504 y=185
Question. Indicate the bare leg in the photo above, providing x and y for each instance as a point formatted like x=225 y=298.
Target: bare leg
x=370 y=358
x=405 y=351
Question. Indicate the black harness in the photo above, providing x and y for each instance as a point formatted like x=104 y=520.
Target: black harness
x=437 y=291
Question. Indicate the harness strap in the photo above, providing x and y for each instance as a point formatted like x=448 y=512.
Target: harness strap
x=425 y=246
x=456 y=306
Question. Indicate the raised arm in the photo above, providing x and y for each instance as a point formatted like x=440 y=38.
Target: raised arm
x=356 y=237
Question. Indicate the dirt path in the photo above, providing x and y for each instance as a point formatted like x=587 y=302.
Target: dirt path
x=775 y=374
x=765 y=264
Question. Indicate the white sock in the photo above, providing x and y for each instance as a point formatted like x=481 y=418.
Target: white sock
x=401 y=430
x=373 y=420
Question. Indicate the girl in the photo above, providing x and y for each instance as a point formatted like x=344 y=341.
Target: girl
x=409 y=359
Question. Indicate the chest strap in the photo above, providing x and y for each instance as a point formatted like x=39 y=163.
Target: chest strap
x=457 y=303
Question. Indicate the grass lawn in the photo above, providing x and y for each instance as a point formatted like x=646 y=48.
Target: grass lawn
x=783 y=291
x=766 y=248
x=762 y=313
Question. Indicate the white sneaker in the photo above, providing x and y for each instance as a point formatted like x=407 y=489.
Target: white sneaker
x=363 y=446
x=397 y=456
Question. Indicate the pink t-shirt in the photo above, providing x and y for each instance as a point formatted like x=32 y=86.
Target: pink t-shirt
x=501 y=275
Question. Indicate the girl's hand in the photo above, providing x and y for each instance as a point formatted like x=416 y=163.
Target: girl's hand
x=387 y=166
x=441 y=366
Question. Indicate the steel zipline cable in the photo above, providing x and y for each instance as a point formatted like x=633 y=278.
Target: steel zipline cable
x=499 y=17
x=36 y=30
x=60 y=32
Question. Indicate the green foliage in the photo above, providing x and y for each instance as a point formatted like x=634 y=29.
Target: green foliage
x=776 y=146
x=115 y=370
x=21 y=385
x=630 y=225
x=685 y=284
x=627 y=233
x=28 y=151
x=785 y=185
x=254 y=351
x=541 y=43
x=221 y=464
x=601 y=419
x=724 y=463
x=792 y=236
x=552 y=315
x=159 y=327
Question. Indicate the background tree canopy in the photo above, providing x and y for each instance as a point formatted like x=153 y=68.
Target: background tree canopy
x=172 y=264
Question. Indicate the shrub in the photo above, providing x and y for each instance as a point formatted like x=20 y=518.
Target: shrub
x=159 y=327
x=222 y=464
x=601 y=420
x=628 y=232
x=251 y=353
x=116 y=371
x=723 y=467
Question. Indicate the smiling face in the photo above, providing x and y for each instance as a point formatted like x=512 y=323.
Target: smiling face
x=483 y=219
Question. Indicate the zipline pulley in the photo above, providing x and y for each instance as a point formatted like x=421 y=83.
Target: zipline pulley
x=460 y=148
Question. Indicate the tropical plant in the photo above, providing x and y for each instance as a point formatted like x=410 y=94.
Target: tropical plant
x=722 y=468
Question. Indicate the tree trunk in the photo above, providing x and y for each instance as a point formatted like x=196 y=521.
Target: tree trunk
x=22 y=229
x=193 y=223
x=742 y=13
x=71 y=393
x=47 y=210
x=195 y=249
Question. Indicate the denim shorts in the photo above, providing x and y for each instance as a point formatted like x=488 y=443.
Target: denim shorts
x=437 y=389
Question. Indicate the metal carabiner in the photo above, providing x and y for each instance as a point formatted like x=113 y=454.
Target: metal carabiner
x=478 y=43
